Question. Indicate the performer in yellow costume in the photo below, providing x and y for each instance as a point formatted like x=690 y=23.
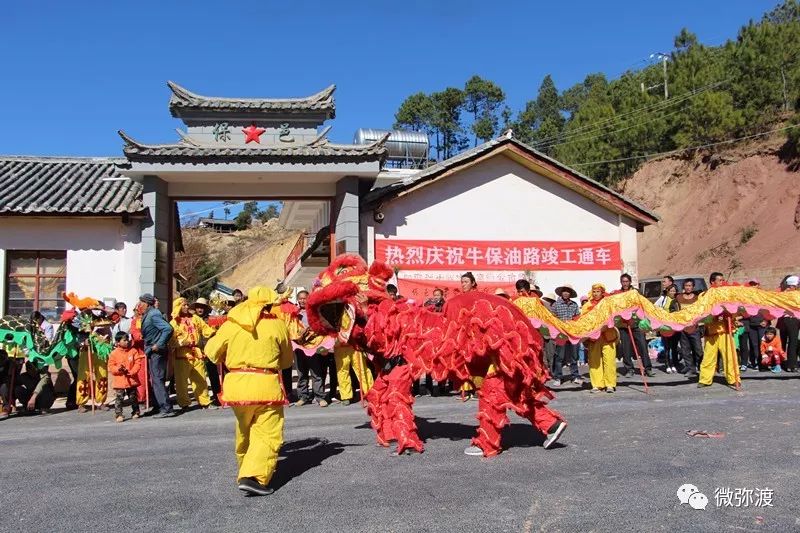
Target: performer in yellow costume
x=254 y=345
x=189 y=364
x=347 y=357
x=602 y=354
x=718 y=341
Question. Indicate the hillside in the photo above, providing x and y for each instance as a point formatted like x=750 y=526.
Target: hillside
x=737 y=213
x=250 y=257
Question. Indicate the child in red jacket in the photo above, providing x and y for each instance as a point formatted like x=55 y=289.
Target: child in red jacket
x=123 y=365
x=771 y=350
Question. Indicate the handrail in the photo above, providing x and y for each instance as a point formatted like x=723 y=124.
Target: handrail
x=294 y=256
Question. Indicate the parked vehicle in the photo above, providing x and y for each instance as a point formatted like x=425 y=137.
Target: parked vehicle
x=651 y=287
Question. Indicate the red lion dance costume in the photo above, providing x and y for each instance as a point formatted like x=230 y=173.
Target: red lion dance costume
x=477 y=336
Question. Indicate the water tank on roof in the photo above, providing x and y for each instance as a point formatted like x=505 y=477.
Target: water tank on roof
x=404 y=147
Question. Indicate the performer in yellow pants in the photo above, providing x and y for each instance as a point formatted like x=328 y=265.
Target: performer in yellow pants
x=189 y=365
x=603 y=361
x=347 y=357
x=718 y=342
x=83 y=391
x=602 y=354
x=254 y=345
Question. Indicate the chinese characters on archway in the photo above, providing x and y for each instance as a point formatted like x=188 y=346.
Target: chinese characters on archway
x=498 y=255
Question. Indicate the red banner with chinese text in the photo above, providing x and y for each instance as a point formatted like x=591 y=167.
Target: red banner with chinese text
x=498 y=255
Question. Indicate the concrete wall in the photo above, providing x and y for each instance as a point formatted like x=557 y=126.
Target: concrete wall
x=155 y=275
x=103 y=255
x=499 y=199
x=346 y=211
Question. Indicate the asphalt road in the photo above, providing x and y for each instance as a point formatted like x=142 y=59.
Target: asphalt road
x=622 y=460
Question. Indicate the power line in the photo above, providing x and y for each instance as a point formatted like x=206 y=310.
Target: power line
x=212 y=209
x=658 y=106
x=670 y=152
x=592 y=137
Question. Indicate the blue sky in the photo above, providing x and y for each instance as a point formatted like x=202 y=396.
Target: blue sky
x=76 y=72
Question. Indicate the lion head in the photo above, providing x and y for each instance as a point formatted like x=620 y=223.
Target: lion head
x=339 y=292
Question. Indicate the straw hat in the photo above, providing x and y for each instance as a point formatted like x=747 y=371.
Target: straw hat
x=550 y=297
x=202 y=302
x=537 y=291
x=572 y=293
x=500 y=292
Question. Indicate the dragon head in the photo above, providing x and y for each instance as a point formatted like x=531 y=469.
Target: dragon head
x=340 y=290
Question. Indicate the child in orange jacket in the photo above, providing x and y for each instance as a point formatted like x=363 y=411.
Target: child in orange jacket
x=123 y=365
x=771 y=351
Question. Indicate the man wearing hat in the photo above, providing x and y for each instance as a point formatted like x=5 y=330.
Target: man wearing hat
x=254 y=345
x=565 y=309
x=156 y=333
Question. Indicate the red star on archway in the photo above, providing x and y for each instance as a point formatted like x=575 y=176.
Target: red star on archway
x=252 y=133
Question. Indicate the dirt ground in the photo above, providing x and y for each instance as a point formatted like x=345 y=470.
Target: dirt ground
x=735 y=213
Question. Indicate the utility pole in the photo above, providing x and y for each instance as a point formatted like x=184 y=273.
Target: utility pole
x=664 y=58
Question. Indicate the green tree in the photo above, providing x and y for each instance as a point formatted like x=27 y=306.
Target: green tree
x=227 y=209
x=269 y=213
x=251 y=207
x=416 y=113
x=483 y=99
x=447 y=106
x=243 y=220
x=541 y=122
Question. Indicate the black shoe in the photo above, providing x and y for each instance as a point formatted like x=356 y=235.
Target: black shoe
x=554 y=433
x=251 y=487
x=625 y=372
x=649 y=373
x=167 y=414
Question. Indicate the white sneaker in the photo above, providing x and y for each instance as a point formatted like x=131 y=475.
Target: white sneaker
x=553 y=436
x=474 y=451
x=669 y=370
x=674 y=370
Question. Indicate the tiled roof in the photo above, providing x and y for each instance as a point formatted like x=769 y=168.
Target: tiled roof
x=318 y=151
x=66 y=186
x=587 y=184
x=183 y=99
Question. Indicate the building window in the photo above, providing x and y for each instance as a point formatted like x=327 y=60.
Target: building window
x=36 y=281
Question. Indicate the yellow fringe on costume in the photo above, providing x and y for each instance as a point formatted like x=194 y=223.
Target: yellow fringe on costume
x=753 y=299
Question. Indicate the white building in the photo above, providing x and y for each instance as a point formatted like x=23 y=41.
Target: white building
x=518 y=202
x=105 y=227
